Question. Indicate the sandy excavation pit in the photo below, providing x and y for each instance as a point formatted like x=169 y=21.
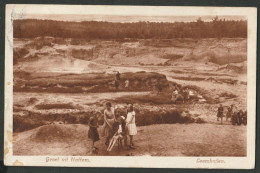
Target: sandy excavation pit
x=57 y=82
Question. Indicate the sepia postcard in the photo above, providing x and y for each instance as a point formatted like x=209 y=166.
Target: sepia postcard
x=130 y=86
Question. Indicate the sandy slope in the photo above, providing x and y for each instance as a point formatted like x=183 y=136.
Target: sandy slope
x=155 y=140
x=210 y=139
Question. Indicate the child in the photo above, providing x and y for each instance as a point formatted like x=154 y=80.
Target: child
x=229 y=112
x=122 y=129
x=220 y=112
x=93 y=132
x=130 y=124
x=119 y=132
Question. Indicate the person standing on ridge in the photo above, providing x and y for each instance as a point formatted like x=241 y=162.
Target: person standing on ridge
x=220 y=112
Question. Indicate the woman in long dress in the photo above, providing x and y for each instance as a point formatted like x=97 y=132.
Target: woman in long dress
x=93 y=132
x=109 y=119
x=130 y=124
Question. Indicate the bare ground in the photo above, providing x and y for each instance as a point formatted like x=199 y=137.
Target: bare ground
x=154 y=140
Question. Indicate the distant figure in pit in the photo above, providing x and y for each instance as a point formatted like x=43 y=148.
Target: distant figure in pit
x=229 y=112
x=117 y=80
x=186 y=94
x=175 y=92
x=127 y=83
x=117 y=84
x=220 y=112
x=176 y=88
x=159 y=88
x=240 y=117
x=118 y=76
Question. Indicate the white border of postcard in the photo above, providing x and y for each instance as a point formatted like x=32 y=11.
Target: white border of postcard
x=247 y=162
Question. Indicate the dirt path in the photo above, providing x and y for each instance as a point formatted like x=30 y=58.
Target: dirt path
x=61 y=97
x=182 y=140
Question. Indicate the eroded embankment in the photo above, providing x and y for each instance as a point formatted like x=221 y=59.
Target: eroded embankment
x=146 y=115
x=149 y=92
x=79 y=83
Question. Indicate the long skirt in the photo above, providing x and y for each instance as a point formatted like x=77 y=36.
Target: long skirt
x=106 y=130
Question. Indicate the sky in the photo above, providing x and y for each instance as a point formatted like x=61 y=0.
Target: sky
x=122 y=18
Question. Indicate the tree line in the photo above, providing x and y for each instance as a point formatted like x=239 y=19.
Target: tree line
x=217 y=28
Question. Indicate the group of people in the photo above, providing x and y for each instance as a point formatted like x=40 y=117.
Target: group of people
x=116 y=128
x=182 y=94
x=235 y=117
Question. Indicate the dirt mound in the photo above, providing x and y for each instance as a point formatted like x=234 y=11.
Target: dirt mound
x=54 y=132
x=88 y=82
x=215 y=57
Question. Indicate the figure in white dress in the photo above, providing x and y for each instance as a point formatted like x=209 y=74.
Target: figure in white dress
x=130 y=124
x=127 y=83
